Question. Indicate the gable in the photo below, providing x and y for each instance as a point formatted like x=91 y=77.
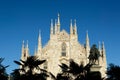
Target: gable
x=63 y=36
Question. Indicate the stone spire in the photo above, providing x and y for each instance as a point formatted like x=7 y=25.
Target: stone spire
x=75 y=28
x=87 y=46
x=71 y=27
x=55 y=27
x=58 y=23
x=35 y=53
x=100 y=58
x=23 y=54
x=27 y=49
x=103 y=50
x=27 y=45
x=103 y=46
x=39 y=51
x=103 y=54
x=51 y=27
x=104 y=62
x=87 y=40
x=99 y=47
x=23 y=50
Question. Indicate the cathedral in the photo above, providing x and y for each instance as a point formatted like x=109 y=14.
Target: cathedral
x=63 y=46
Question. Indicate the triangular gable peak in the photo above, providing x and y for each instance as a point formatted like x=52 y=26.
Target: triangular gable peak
x=63 y=36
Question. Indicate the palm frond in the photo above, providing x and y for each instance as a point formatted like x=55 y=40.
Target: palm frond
x=64 y=67
x=17 y=62
x=23 y=61
x=52 y=76
x=1 y=59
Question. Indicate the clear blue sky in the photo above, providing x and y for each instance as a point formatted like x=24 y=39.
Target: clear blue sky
x=21 y=20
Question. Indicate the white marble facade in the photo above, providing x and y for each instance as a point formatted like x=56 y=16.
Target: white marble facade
x=63 y=46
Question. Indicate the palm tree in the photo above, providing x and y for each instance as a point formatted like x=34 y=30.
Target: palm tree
x=3 y=74
x=27 y=72
x=72 y=72
x=78 y=72
x=15 y=75
x=113 y=72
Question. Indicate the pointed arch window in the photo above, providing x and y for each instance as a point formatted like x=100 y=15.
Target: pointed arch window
x=63 y=49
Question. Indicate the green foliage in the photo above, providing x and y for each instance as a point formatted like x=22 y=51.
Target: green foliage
x=73 y=72
x=3 y=74
x=27 y=70
x=113 y=72
x=94 y=76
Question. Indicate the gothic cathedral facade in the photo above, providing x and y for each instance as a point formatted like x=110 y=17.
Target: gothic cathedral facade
x=64 y=46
